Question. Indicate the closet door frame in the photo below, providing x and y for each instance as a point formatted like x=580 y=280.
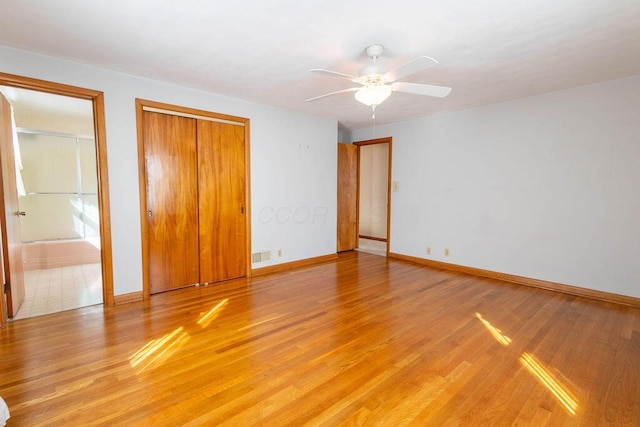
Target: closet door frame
x=147 y=105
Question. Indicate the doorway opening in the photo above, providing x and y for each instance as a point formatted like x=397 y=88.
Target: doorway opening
x=374 y=195
x=61 y=188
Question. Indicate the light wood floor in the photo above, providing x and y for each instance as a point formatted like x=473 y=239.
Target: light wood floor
x=360 y=341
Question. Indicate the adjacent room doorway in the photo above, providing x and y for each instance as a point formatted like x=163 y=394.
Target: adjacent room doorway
x=55 y=199
x=374 y=195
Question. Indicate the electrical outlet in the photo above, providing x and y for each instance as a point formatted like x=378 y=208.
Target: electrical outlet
x=279 y=253
x=428 y=250
x=446 y=252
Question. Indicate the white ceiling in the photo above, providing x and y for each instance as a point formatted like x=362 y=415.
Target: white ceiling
x=489 y=51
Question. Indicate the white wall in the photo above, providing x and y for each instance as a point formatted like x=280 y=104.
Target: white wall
x=546 y=187
x=293 y=162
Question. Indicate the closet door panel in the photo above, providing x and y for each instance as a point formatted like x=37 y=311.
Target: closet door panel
x=221 y=180
x=172 y=200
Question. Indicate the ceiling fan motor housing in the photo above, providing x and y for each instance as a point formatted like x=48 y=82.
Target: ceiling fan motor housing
x=370 y=74
x=375 y=51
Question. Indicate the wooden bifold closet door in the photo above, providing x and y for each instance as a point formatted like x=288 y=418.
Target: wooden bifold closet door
x=221 y=180
x=172 y=200
x=195 y=193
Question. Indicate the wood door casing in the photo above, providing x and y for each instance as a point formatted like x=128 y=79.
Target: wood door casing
x=104 y=212
x=172 y=200
x=373 y=191
x=347 y=197
x=9 y=218
x=222 y=191
x=360 y=144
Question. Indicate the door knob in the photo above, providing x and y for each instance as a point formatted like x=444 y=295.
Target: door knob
x=21 y=213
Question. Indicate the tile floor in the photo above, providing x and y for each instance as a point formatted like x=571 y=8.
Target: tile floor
x=57 y=289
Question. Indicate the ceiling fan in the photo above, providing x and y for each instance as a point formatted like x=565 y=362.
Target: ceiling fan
x=376 y=85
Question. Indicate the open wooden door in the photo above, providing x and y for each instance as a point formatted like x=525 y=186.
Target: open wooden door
x=10 y=214
x=347 y=197
x=3 y=304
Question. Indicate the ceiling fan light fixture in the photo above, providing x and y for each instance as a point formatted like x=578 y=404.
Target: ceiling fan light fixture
x=373 y=95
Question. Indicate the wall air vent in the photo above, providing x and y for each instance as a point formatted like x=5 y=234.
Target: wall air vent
x=260 y=257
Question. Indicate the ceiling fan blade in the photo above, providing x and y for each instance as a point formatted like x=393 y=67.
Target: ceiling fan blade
x=351 y=89
x=420 y=89
x=409 y=68
x=335 y=74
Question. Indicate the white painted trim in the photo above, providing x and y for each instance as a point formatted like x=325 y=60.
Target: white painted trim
x=191 y=116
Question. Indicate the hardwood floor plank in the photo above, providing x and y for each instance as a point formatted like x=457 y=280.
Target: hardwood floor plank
x=358 y=341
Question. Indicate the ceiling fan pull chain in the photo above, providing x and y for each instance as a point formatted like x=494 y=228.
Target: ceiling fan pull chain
x=373 y=117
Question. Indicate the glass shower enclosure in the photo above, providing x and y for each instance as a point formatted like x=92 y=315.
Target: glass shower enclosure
x=60 y=198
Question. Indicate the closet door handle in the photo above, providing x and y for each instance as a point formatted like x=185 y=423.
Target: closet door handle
x=242 y=210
